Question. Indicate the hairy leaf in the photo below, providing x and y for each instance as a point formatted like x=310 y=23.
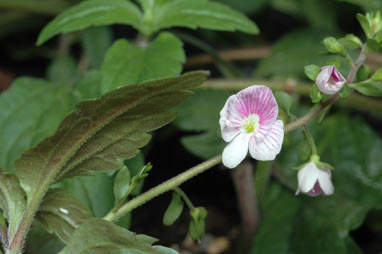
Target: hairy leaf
x=97 y=236
x=92 y=13
x=32 y=110
x=100 y=131
x=12 y=201
x=62 y=214
x=126 y=63
x=199 y=13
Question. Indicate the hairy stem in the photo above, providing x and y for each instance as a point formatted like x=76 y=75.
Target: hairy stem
x=162 y=188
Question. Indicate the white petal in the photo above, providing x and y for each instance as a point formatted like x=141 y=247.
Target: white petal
x=325 y=181
x=267 y=142
x=307 y=177
x=235 y=152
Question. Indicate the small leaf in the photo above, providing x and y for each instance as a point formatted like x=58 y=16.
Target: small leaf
x=62 y=214
x=373 y=45
x=364 y=23
x=199 y=13
x=198 y=224
x=127 y=64
x=92 y=13
x=12 y=201
x=174 y=210
x=334 y=61
x=121 y=183
x=377 y=76
x=363 y=73
x=118 y=121
x=350 y=41
x=284 y=101
x=333 y=46
x=98 y=236
x=312 y=71
x=345 y=91
x=369 y=88
x=315 y=94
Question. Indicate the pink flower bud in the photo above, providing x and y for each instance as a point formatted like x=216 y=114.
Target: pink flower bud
x=330 y=80
x=248 y=121
x=314 y=181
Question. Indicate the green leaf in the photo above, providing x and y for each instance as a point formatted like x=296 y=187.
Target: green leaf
x=92 y=13
x=364 y=23
x=121 y=183
x=350 y=41
x=373 y=45
x=198 y=223
x=93 y=191
x=42 y=242
x=199 y=13
x=284 y=101
x=333 y=46
x=62 y=214
x=246 y=6
x=300 y=47
x=99 y=131
x=334 y=61
x=62 y=69
x=312 y=71
x=201 y=113
x=34 y=110
x=12 y=201
x=95 y=42
x=174 y=210
x=363 y=73
x=315 y=94
x=369 y=87
x=377 y=76
x=345 y=91
x=97 y=236
x=127 y=64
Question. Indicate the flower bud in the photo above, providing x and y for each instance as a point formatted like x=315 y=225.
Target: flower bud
x=314 y=181
x=330 y=80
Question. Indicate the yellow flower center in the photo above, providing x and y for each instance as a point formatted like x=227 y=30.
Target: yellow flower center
x=251 y=123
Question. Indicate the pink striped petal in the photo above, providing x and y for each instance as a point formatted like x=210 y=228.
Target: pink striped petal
x=266 y=143
x=330 y=80
x=236 y=151
x=229 y=120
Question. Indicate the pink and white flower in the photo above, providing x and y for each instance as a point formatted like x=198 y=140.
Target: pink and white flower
x=330 y=80
x=249 y=120
x=314 y=181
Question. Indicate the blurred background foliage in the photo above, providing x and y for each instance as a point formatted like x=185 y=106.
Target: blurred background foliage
x=291 y=32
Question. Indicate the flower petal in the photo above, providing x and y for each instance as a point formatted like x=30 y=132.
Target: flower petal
x=330 y=80
x=266 y=143
x=324 y=178
x=259 y=100
x=307 y=177
x=229 y=120
x=235 y=152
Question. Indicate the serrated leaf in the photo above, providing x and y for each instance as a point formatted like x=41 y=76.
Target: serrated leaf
x=62 y=214
x=284 y=101
x=369 y=87
x=97 y=236
x=126 y=63
x=100 y=131
x=174 y=210
x=92 y=13
x=12 y=201
x=199 y=13
x=121 y=183
x=39 y=106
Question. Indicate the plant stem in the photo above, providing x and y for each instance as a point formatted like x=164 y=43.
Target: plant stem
x=185 y=198
x=310 y=139
x=318 y=108
x=162 y=188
